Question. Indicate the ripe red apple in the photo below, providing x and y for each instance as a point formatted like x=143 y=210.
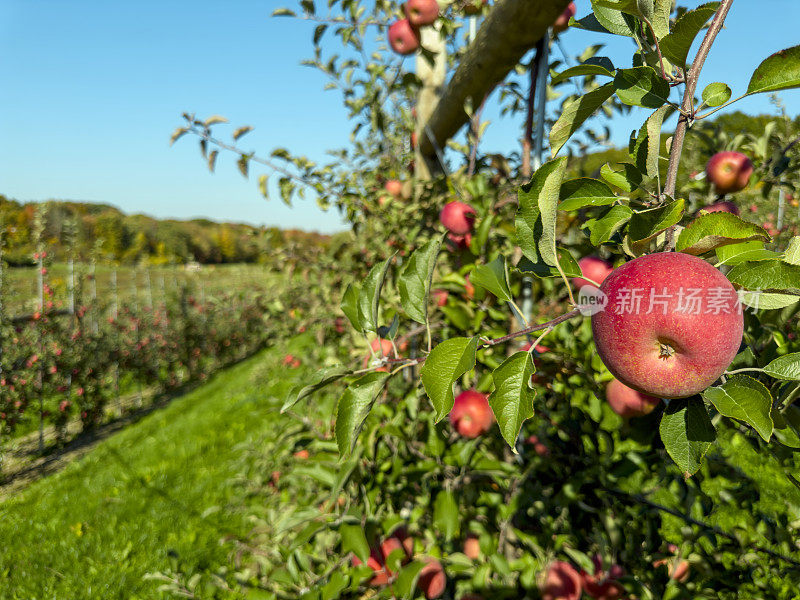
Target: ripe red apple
x=627 y=402
x=671 y=326
x=403 y=37
x=562 y=582
x=457 y=217
x=562 y=22
x=472 y=547
x=459 y=242
x=394 y=187
x=471 y=415
x=603 y=585
x=432 y=579
x=381 y=347
x=301 y=454
x=729 y=171
x=413 y=140
x=722 y=206
x=473 y=7
x=594 y=268
x=538 y=447
x=421 y=12
x=440 y=296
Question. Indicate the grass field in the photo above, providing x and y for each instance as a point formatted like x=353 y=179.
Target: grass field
x=138 y=503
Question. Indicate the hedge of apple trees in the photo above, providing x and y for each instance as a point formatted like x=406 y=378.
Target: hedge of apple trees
x=502 y=428
x=59 y=364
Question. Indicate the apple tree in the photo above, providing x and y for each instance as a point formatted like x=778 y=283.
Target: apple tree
x=555 y=382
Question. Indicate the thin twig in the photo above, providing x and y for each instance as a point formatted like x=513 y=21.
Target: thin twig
x=687 y=106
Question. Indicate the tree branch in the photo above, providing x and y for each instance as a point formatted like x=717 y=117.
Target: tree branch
x=518 y=25
x=687 y=106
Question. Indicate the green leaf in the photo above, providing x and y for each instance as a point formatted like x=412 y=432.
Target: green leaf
x=647 y=224
x=214 y=119
x=579 y=193
x=767 y=276
x=414 y=283
x=442 y=368
x=354 y=540
x=745 y=399
x=716 y=94
x=733 y=254
x=596 y=65
x=493 y=277
x=645 y=148
x=629 y=179
x=687 y=433
x=781 y=71
x=263 y=180
x=349 y=304
x=370 y=296
x=575 y=114
x=536 y=216
x=283 y=12
x=512 y=399
x=354 y=407
x=660 y=20
x=712 y=230
x=612 y=21
x=641 y=86
x=446 y=517
x=603 y=228
x=240 y=131
x=627 y=6
x=318 y=381
x=786 y=367
x=675 y=46
x=567 y=262
x=792 y=254
x=403 y=587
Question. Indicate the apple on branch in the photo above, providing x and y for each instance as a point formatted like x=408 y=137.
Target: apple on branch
x=403 y=37
x=594 y=268
x=729 y=172
x=471 y=415
x=421 y=12
x=457 y=217
x=627 y=402
x=671 y=326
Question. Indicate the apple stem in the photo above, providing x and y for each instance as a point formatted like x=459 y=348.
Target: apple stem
x=687 y=108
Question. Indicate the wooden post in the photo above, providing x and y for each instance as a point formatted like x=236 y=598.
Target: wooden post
x=432 y=77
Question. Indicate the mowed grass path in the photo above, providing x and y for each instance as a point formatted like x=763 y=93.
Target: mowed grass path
x=136 y=503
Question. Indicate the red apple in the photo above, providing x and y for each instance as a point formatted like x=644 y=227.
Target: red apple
x=671 y=326
x=562 y=582
x=381 y=348
x=394 y=187
x=471 y=415
x=413 y=140
x=432 y=579
x=459 y=242
x=729 y=171
x=562 y=22
x=472 y=547
x=722 y=206
x=457 y=217
x=421 y=12
x=403 y=37
x=538 y=447
x=301 y=455
x=603 y=585
x=473 y=7
x=440 y=296
x=627 y=402
x=594 y=268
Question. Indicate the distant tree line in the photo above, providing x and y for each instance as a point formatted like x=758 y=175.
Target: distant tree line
x=109 y=235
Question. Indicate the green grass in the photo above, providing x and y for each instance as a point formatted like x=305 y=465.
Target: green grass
x=136 y=503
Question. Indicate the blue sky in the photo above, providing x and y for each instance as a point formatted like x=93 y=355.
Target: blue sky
x=93 y=89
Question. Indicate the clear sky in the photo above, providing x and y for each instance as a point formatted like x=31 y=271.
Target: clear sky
x=92 y=89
